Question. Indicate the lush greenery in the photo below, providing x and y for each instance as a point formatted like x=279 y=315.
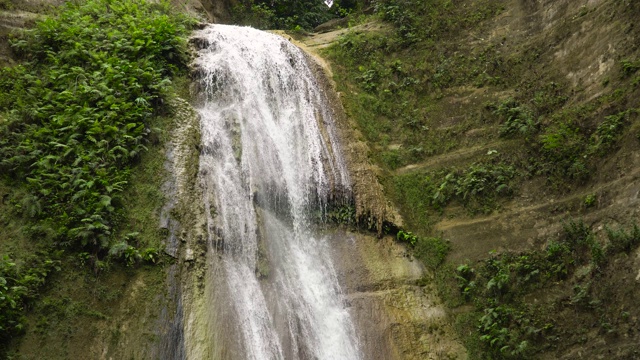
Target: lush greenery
x=290 y=14
x=18 y=286
x=508 y=327
x=79 y=110
x=477 y=188
x=76 y=115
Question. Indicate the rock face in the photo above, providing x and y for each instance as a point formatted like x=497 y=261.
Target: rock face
x=582 y=45
x=397 y=318
x=215 y=11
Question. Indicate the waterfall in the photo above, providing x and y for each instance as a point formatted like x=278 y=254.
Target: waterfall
x=269 y=164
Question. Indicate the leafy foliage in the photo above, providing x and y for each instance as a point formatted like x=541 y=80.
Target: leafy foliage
x=432 y=251
x=506 y=326
x=81 y=106
x=518 y=119
x=608 y=132
x=477 y=188
x=342 y=215
x=290 y=14
x=621 y=240
x=18 y=286
x=630 y=67
x=130 y=255
x=567 y=149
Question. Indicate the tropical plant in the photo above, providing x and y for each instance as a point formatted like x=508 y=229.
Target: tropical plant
x=18 y=286
x=518 y=119
x=81 y=106
x=290 y=14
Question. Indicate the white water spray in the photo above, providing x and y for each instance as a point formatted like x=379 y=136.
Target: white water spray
x=269 y=160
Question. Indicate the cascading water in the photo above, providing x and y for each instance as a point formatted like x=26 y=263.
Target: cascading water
x=269 y=163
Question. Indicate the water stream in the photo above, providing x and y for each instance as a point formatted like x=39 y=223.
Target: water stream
x=269 y=165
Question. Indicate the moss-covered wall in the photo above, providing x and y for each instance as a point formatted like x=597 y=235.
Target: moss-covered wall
x=500 y=125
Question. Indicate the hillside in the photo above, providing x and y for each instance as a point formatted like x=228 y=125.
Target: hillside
x=510 y=128
x=505 y=133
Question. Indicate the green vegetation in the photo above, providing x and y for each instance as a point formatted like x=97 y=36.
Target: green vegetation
x=590 y=200
x=460 y=117
x=621 y=241
x=477 y=188
x=505 y=325
x=342 y=215
x=630 y=67
x=517 y=119
x=19 y=285
x=431 y=251
x=79 y=111
x=77 y=116
x=295 y=15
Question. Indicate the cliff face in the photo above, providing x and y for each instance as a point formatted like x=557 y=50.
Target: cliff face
x=580 y=45
x=581 y=48
x=492 y=134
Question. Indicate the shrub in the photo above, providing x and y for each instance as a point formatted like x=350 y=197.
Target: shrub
x=590 y=200
x=607 y=133
x=563 y=149
x=629 y=67
x=289 y=14
x=622 y=241
x=18 y=286
x=484 y=180
x=81 y=107
x=517 y=119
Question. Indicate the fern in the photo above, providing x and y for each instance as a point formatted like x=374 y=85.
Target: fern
x=80 y=108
